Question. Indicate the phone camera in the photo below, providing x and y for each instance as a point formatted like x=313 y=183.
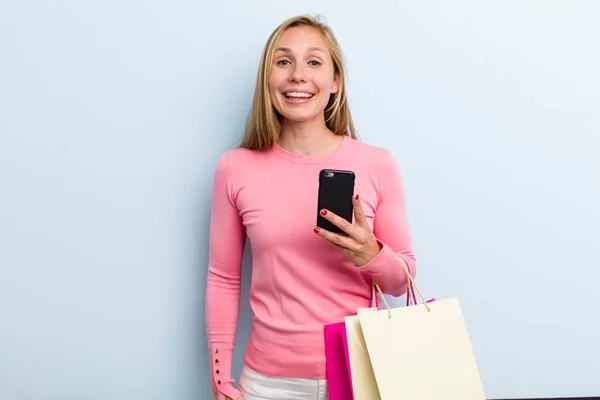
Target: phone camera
x=328 y=174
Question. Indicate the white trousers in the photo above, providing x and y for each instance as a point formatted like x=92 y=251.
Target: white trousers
x=256 y=386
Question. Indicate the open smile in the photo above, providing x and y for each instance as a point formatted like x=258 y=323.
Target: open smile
x=297 y=97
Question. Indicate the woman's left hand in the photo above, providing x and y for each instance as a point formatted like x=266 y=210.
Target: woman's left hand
x=360 y=246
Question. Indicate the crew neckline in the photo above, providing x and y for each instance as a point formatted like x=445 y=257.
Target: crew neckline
x=302 y=159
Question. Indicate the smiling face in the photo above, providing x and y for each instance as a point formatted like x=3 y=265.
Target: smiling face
x=302 y=76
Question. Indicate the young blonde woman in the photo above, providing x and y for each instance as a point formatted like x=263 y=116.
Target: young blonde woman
x=303 y=277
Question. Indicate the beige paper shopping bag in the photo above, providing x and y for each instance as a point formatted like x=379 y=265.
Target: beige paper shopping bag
x=363 y=381
x=421 y=352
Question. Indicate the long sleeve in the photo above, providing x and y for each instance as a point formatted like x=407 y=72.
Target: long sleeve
x=227 y=238
x=391 y=229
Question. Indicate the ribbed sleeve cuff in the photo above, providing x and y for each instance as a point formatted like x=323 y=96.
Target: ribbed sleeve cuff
x=382 y=261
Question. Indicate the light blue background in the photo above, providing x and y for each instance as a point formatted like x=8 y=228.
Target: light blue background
x=113 y=114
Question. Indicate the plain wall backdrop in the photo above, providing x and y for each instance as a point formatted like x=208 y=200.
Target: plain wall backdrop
x=112 y=117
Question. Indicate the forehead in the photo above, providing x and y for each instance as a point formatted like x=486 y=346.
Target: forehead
x=302 y=38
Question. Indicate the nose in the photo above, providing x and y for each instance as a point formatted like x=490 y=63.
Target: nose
x=298 y=73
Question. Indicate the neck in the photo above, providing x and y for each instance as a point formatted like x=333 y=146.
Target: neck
x=308 y=138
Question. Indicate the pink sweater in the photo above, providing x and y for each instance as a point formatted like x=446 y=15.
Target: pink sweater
x=300 y=282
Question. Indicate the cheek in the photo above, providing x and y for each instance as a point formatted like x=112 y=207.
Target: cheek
x=325 y=84
x=274 y=82
x=274 y=95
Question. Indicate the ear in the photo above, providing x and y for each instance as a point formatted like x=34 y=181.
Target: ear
x=335 y=87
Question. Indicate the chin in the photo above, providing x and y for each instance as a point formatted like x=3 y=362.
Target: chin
x=299 y=115
x=299 y=118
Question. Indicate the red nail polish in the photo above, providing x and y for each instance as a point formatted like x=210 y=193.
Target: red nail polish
x=317 y=230
x=323 y=212
x=356 y=197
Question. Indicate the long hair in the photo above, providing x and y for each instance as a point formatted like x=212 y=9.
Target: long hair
x=263 y=126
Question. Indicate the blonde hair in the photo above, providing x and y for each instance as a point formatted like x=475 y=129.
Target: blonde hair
x=263 y=126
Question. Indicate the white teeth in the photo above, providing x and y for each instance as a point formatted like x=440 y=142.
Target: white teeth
x=298 y=94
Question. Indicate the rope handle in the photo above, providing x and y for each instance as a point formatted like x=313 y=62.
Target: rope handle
x=411 y=298
x=409 y=290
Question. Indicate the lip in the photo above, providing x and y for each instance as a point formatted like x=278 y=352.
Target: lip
x=297 y=100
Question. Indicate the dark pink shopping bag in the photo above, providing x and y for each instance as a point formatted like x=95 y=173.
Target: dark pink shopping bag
x=339 y=380
x=339 y=375
x=339 y=384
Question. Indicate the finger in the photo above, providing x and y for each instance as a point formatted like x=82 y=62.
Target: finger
x=344 y=242
x=365 y=233
x=359 y=213
x=338 y=221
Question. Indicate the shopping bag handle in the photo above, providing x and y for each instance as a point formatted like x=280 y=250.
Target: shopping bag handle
x=374 y=298
x=410 y=285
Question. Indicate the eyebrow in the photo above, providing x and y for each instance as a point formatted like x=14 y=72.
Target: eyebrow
x=288 y=50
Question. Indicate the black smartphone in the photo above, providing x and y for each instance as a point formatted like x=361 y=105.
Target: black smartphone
x=336 y=188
